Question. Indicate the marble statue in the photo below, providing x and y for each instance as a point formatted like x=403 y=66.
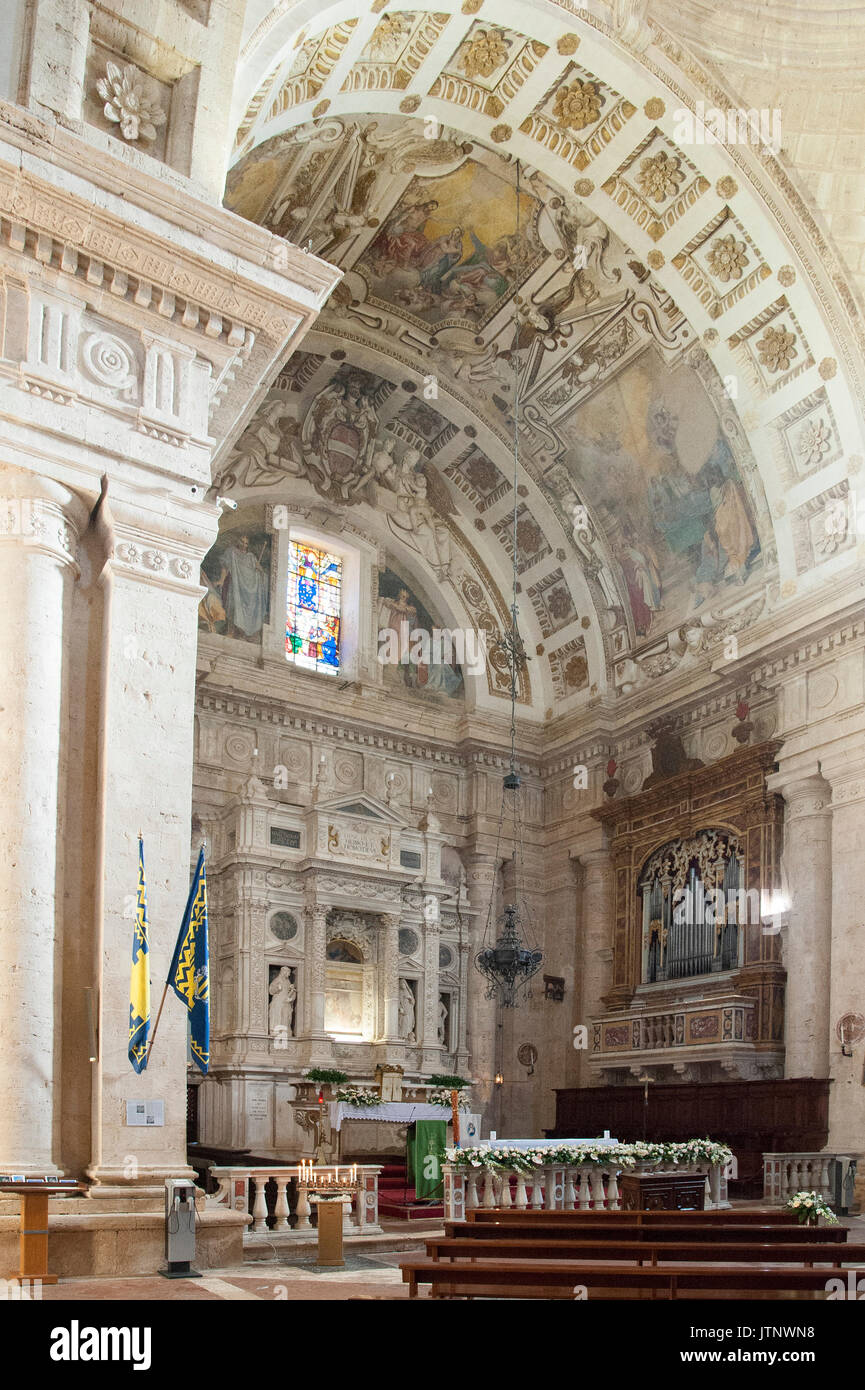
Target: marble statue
x=406 y=1011
x=283 y=993
x=443 y=1020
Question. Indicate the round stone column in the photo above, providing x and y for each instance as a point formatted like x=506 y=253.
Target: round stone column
x=597 y=918
x=390 y=978
x=807 y=861
x=846 y=958
x=40 y=522
x=481 y=882
x=432 y=1048
x=315 y=964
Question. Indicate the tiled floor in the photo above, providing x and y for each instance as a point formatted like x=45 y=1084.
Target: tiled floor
x=371 y=1276
x=371 y=1273
x=363 y=1276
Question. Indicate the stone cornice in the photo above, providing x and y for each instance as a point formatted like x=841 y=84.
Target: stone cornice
x=170 y=274
x=133 y=194
x=143 y=258
x=477 y=741
x=465 y=753
x=743 y=772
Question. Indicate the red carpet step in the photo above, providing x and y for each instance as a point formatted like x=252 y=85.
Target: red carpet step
x=397 y=1198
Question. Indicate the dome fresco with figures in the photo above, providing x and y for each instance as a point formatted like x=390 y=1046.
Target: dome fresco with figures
x=643 y=531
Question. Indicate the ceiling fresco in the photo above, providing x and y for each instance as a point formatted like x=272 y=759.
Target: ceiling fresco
x=686 y=436
x=641 y=526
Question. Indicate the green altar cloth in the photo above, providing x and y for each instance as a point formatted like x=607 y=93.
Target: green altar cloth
x=429 y=1141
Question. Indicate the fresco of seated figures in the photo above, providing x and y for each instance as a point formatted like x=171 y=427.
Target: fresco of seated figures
x=454 y=256
x=623 y=417
x=650 y=454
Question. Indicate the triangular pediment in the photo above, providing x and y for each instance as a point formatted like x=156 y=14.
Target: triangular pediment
x=362 y=806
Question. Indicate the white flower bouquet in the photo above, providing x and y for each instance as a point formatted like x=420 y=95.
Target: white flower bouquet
x=439 y=1095
x=500 y=1156
x=808 y=1207
x=359 y=1096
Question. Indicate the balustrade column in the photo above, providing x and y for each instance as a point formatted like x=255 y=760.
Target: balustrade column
x=280 y=1211
x=39 y=526
x=303 y=1208
x=807 y=863
x=259 y=1202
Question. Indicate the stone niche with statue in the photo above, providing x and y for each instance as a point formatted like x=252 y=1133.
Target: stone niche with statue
x=697 y=986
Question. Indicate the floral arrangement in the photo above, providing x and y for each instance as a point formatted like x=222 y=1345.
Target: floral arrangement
x=442 y=1096
x=808 y=1207
x=321 y=1074
x=358 y=1095
x=500 y=1157
x=449 y=1083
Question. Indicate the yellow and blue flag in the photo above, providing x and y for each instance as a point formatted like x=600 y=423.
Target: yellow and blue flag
x=189 y=975
x=139 y=980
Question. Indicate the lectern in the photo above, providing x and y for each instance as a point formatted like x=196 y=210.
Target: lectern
x=33 y=1245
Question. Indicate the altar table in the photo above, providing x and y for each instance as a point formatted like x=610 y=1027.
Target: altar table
x=542 y=1144
x=392 y=1112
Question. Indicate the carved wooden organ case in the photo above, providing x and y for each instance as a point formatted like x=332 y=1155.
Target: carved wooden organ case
x=722 y=822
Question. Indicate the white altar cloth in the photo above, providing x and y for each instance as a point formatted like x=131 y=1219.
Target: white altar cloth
x=391 y=1112
x=544 y=1143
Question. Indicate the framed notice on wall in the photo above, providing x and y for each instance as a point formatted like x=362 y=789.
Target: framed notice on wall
x=145 y=1112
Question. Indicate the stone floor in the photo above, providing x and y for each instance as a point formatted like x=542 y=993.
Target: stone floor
x=277 y=1274
x=364 y=1276
x=371 y=1271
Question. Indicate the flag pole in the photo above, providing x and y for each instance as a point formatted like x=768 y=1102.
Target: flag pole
x=155 y=1026
x=162 y=1001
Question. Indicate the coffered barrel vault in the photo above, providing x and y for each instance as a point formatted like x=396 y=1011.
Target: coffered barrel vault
x=690 y=432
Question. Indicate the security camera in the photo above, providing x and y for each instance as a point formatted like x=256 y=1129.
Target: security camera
x=226 y=502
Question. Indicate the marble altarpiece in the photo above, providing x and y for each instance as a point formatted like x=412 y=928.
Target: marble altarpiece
x=335 y=943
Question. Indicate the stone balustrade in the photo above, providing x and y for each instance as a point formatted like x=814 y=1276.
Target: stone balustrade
x=786 y=1173
x=721 y=1030
x=558 y=1187
x=288 y=1212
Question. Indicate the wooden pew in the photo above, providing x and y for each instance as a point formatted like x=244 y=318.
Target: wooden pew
x=639 y=1251
x=602 y=1229
x=731 y=1217
x=518 y=1278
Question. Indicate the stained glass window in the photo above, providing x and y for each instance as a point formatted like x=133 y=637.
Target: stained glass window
x=314 y=590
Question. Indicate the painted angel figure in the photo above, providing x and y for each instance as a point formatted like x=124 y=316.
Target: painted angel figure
x=484 y=276
x=416 y=521
x=268 y=449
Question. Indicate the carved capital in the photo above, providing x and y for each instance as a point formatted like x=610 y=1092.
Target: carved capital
x=806 y=796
